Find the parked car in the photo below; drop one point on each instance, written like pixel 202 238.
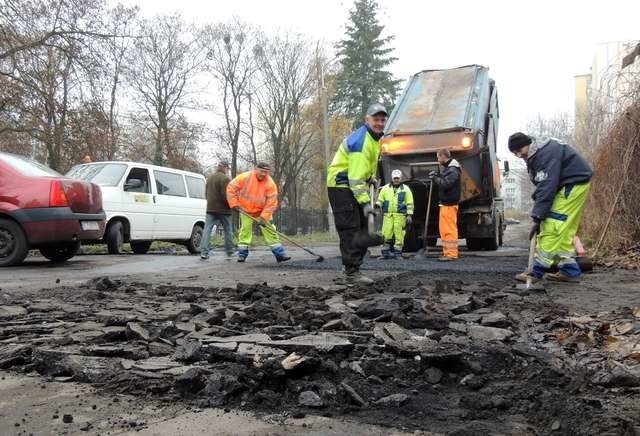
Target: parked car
pixel 146 203
pixel 40 208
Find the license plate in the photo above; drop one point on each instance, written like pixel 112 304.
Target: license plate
pixel 90 225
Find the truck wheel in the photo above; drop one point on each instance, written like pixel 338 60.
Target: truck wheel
pixel 140 247
pixel 193 244
pixel 60 252
pixel 475 244
pixel 115 238
pixel 13 243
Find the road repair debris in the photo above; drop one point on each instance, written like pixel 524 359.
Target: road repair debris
pixel 449 356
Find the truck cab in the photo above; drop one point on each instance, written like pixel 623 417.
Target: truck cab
pixel 455 109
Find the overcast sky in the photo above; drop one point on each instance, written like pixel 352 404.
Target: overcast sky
pixel 533 48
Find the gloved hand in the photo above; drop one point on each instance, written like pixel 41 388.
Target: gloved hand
pixel 535 229
pixel 432 175
pixel 368 210
pixel 409 220
pixel 262 221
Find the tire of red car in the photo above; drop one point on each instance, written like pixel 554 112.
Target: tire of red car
pixel 13 243
pixel 60 252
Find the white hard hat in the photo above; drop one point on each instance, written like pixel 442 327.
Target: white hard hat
pixel 396 174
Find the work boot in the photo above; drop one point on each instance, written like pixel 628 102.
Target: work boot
pixel 522 277
pixel 397 252
pixel 446 259
pixel 280 254
pixel 559 277
pixel 228 255
pixel 355 277
pixel 386 253
pixel 204 257
pixel 242 254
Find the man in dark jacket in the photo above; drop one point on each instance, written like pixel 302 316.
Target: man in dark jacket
pixel 448 182
pixel 217 210
pixel 561 177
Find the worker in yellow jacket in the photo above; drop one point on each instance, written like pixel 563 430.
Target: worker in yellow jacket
pixel 396 201
pixel 353 167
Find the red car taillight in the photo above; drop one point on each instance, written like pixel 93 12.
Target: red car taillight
pixel 57 197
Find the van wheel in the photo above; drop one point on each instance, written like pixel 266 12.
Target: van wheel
pixel 193 244
pixel 13 243
pixel 60 252
pixel 140 247
pixel 115 238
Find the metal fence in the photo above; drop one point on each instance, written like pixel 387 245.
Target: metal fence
pixel 292 221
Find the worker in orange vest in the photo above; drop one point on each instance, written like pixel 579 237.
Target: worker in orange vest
pixel 255 194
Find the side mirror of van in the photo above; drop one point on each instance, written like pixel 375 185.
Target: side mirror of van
pixel 132 184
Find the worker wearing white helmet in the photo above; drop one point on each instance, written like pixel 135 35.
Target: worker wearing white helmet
pixel 396 201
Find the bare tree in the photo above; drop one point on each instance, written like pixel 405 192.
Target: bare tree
pixel 288 77
pixel 232 61
pixel 559 126
pixel 50 63
pixel 31 24
pixel 164 59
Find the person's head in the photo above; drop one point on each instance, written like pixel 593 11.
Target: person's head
pixel 396 177
pixel 86 159
pixel 519 144
pixel 262 170
pixel 376 118
pixel 224 166
pixel 443 155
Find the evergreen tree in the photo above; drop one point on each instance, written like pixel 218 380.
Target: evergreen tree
pixel 363 78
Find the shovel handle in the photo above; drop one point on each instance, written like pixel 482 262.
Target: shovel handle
pixel 371 225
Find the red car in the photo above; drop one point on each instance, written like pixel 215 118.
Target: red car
pixel 42 209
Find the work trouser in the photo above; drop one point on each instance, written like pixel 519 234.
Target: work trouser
pixel 555 240
pixel 349 221
pixel 245 235
pixel 393 227
pixel 448 225
pixel 225 222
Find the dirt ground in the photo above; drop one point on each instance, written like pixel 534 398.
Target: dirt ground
pixel 166 344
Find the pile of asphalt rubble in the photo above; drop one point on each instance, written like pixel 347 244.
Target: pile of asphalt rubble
pixel 450 357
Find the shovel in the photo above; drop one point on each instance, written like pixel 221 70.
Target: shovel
pixel 370 238
pixel 424 251
pixel 319 258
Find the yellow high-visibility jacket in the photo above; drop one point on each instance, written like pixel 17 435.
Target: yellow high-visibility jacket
pixel 399 200
pixel 355 162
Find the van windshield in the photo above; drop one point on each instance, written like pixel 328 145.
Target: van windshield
pixel 103 174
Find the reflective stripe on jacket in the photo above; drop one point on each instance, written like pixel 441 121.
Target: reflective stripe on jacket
pixel 355 162
pixel 398 200
pixel 257 198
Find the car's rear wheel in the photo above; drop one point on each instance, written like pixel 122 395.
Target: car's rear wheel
pixel 60 252
pixel 13 243
pixel 193 244
pixel 115 238
pixel 140 247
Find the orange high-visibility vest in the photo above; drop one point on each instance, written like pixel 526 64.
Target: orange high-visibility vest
pixel 257 198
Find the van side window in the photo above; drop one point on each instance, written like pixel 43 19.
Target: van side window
pixel 195 186
pixel 170 184
pixel 141 174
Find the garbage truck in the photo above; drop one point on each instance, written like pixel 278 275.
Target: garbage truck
pixel 455 109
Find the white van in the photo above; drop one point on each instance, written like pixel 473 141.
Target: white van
pixel 146 203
